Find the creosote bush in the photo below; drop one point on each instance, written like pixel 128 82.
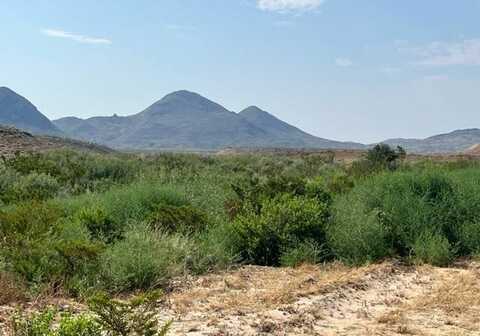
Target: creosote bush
pixel 144 259
pixel 185 219
pixel 283 223
pixel 386 214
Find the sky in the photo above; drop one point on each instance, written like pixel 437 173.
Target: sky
pixel 357 70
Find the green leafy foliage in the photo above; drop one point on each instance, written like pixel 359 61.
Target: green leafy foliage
pixel 99 224
pixel 433 249
pixel 137 316
pixel 38 324
pixel 185 219
pixel 307 252
pixel 283 222
pixel 380 157
pixel 385 215
pixel 143 259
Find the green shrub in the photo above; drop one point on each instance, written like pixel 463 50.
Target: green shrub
pixel 137 316
pixel 99 224
pixel 35 186
pixel 143 259
pixel 76 171
pixel 81 325
pixel 111 211
pixel 27 221
pixel 27 231
pixel 46 323
pixel 212 250
pixel 384 215
pixel 383 156
pixel 136 202
pixel 380 157
pixel 339 183
pixel 253 192
pixel 308 252
pixel 185 219
pixel 37 324
pixel 356 235
pixel 284 222
pixel 42 247
pixel 470 238
pixel 8 177
pixel 432 249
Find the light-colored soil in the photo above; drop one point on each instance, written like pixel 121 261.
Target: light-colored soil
pixel 381 299
pixel 385 299
pixel 474 150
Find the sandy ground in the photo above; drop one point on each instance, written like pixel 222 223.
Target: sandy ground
pixel 382 299
pixel 385 299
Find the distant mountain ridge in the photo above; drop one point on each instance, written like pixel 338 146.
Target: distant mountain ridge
pixel 17 111
pixel 454 142
pixel 186 120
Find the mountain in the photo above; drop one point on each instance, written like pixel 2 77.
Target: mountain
pixel 187 121
pixel 453 142
pixel 17 111
pixel 282 134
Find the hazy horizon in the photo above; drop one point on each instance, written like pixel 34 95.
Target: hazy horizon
pixel 333 68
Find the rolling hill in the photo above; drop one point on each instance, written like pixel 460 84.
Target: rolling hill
pixel 454 142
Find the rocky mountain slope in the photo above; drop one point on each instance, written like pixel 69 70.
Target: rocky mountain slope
pixel 13 141
pixel 18 112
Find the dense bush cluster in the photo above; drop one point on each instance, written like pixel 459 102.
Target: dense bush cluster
pixel 78 223
pixel 273 216
pixel 430 215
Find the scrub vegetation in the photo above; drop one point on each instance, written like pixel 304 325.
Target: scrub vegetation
pixel 79 224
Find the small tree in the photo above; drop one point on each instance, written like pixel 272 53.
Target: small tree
pixel 384 156
pixel 137 316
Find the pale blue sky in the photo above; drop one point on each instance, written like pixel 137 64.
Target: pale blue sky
pixel 341 69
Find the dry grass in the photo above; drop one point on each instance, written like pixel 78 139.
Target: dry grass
pixel 253 288
pixel 449 307
pixel 457 294
pixel 11 289
pixel 383 299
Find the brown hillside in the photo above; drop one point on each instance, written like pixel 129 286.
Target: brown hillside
pixel 13 140
pixel 474 150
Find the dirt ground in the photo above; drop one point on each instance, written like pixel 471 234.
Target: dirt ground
pixel 384 299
